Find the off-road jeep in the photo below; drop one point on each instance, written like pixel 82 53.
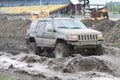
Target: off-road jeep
pixel 64 36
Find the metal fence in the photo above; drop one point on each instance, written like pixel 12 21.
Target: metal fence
pixel 29 2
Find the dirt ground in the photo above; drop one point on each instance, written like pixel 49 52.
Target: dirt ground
pixel 110 29
pixel 25 66
pixel 12 35
pixel 19 65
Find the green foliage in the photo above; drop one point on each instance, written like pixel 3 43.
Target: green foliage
pixel 117 25
pixel 64 14
pixel 114 6
pixel 4 78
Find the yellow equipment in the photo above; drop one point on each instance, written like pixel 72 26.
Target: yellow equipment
pixel 104 12
pixel 98 14
pixel 41 14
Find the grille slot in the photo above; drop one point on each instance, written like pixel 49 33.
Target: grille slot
pixel 87 37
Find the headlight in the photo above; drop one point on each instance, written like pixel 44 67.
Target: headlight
pixel 73 37
pixel 99 36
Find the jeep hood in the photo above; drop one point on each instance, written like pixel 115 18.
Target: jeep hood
pixel 78 31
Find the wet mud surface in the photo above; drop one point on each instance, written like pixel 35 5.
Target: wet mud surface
pixel 16 62
pixel 34 67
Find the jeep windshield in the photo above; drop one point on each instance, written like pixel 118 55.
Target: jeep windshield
pixel 69 24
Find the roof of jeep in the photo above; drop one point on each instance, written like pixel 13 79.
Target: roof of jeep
pixel 41 19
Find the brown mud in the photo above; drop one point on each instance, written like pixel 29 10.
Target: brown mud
pixel 24 66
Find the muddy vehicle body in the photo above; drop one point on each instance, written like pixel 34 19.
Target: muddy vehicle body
pixel 63 37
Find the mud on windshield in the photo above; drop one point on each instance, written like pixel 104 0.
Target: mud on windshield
pixel 69 24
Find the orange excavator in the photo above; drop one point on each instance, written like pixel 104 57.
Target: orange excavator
pixel 98 12
pixel 104 12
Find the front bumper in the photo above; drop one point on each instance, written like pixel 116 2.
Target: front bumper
pixel 89 43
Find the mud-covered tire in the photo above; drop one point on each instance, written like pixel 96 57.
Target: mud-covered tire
pixel 34 49
pixel 99 50
pixel 62 50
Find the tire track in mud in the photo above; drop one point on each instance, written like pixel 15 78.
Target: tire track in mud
pixel 75 68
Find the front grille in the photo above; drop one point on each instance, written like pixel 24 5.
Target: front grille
pixel 87 37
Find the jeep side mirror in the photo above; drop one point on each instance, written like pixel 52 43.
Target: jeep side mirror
pixel 54 30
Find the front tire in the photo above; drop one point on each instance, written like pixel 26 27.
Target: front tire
pixel 62 50
pixel 99 50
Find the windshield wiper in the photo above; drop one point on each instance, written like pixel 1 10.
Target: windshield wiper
pixel 63 27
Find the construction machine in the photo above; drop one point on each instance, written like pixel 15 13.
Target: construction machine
pixel 95 11
pixel 104 12
pixel 39 14
pixel 98 14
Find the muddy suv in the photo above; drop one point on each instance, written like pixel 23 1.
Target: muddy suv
pixel 63 37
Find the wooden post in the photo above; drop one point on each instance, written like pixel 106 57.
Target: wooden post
pixel 84 8
pixel 76 9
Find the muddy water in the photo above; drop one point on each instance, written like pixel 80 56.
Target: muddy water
pixel 104 67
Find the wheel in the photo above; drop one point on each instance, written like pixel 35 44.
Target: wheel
pixel 87 51
pixel 84 52
pixel 34 49
pixel 50 53
pixel 47 52
pixel 99 50
pixel 62 50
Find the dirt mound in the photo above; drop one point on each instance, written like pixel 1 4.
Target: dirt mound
pixel 101 25
pixel 110 29
pixel 78 64
pixel 112 51
pixel 12 35
pixel 29 58
pixel 86 64
pixel 64 68
pixel 65 65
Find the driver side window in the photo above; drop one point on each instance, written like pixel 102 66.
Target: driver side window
pixel 48 27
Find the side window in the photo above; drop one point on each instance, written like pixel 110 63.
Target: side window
pixel 41 25
pixel 49 27
pixel 33 25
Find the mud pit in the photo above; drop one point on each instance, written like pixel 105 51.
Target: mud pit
pixel 24 66
pixel 33 67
